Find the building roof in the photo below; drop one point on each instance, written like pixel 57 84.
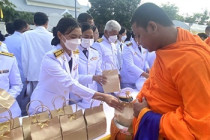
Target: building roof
pixel 57 2
pixel 48 6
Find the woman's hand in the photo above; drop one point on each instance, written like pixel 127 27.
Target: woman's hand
pixel 109 99
pixel 99 79
pixel 113 102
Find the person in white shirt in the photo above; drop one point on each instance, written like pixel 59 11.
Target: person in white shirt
pixel 59 69
pixel 35 44
pixel 85 18
pixel 106 46
pixel 135 66
pixel 10 80
pixel 95 33
pixel 13 43
pixel 89 63
pixel 120 44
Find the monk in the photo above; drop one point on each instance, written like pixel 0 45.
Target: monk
pixel 174 102
pixel 207 31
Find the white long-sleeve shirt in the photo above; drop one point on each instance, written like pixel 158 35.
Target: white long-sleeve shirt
pixel 35 44
pixel 10 81
pixel 13 43
pixel 108 54
pixel 56 79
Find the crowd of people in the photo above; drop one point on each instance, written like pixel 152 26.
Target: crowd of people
pixel 169 66
pixel 30 48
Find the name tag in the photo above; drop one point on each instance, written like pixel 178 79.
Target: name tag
pixel 4 71
pixel 93 58
pixel 75 67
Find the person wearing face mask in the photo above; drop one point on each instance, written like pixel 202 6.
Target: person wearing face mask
pixel 95 33
pixel 89 63
pixel 106 46
pixel 120 44
pixel 59 70
pixel 135 66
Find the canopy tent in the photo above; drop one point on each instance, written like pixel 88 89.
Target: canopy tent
pixel 181 24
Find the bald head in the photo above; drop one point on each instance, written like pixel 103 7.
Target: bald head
pixel 152 27
pixel 150 12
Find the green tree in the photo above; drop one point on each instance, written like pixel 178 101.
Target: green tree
pixel 200 18
pixel 10 14
pixel 204 17
pixel 119 10
pixel 172 11
pixel 67 15
pixel 27 16
pixel 8 10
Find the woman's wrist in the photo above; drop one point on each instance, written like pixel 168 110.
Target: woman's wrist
pixel 99 96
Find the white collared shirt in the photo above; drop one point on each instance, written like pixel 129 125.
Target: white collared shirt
pixel 88 67
pixel 10 81
pixel 134 63
pixel 108 54
pixel 13 43
pixel 35 44
pixel 57 80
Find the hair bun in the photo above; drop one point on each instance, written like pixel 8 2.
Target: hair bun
pixel 54 30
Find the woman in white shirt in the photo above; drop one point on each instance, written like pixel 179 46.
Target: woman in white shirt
pixel 59 69
pixel 90 72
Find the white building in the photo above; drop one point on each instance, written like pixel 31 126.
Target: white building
pixel 55 9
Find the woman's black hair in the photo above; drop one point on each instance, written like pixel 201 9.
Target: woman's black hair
pixel 129 34
pixel 2 38
pixel 65 25
pixel 86 26
pixel 122 30
pixel 94 28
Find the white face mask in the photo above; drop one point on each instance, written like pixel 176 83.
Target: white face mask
pixel 72 44
pixel 112 39
pixel 86 43
pixel 123 38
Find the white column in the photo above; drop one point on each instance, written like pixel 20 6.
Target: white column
pixel 3 28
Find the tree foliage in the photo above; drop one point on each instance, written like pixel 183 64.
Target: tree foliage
pixel 119 10
pixel 173 12
pixel 10 14
pixel 67 15
pixel 200 18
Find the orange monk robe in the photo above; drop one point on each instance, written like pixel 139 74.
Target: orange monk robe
pixel 207 40
pixel 179 88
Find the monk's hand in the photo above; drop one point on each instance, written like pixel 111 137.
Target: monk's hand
pixel 148 70
pixel 137 106
pixel 144 74
pixel 113 102
pixel 100 79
